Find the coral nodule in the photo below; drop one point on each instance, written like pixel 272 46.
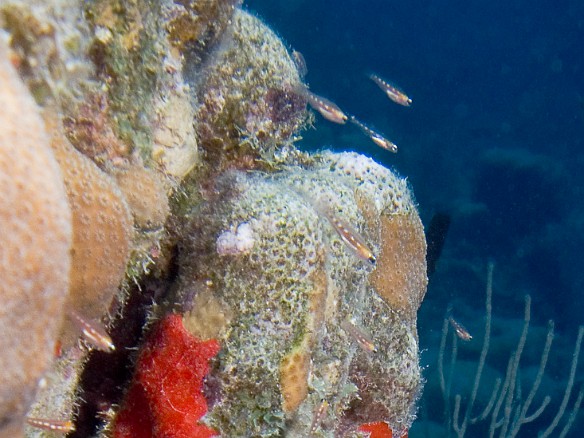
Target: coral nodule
pixel 291 285
pixel 166 397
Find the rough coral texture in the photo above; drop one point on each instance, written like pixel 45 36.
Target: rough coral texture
pixel 56 398
pixel 102 232
pixel 35 242
pixel 166 398
pixel 401 263
pixel 145 193
pixel 249 91
pixel 48 42
pixel 134 89
pixel 195 26
pixel 290 293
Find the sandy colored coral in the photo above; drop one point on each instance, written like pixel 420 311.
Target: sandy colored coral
pixel 102 233
pixel 35 242
pixel 175 142
pixel 145 194
pixel 400 277
pixel 294 378
pixel 209 317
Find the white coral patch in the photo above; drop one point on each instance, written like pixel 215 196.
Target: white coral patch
pixel 236 242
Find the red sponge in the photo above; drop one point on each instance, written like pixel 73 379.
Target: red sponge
pixel 378 430
pixel 166 399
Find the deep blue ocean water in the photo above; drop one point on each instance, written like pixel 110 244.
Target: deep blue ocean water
pixel 494 138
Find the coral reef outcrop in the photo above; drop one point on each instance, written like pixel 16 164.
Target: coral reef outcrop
pixel 175 214
pixel 290 290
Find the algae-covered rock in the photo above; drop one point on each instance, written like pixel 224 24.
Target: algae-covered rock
pixel 249 91
pixel 290 285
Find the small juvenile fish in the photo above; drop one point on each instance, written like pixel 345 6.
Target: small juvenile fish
pixel 351 238
pixel 377 138
pixel 459 329
pixel 300 63
pixel 93 332
pixel 325 107
pixel 53 425
pixel 393 92
pixel 319 416
pixel 363 339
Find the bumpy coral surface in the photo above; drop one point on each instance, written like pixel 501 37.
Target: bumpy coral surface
pixel 35 240
pixel 101 233
pixel 249 91
pixel 166 398
pixel 288 294
pixel 158 112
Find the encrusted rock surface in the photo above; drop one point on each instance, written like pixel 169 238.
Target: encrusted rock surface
pixel 289 292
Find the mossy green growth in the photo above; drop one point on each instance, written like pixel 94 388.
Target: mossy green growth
pixel 127 49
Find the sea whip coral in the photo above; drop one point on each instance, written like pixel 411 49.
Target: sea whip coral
pixel 166 398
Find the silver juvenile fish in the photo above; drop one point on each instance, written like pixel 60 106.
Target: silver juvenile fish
pixel 52 425
pixel 326 108
pixel 318 417
pixel 363 339
pixel 376 137
pixel 460 330
pixel 393 92
pixel 93 332
pixel 351 238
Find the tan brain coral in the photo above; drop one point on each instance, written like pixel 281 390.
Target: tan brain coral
pixel 35 239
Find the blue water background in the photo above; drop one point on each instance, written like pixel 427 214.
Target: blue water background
pixel 494 138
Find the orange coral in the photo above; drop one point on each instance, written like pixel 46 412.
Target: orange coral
pixel 293 378
pixel 400 277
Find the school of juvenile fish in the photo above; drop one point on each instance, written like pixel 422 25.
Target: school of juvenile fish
pixel 330 111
